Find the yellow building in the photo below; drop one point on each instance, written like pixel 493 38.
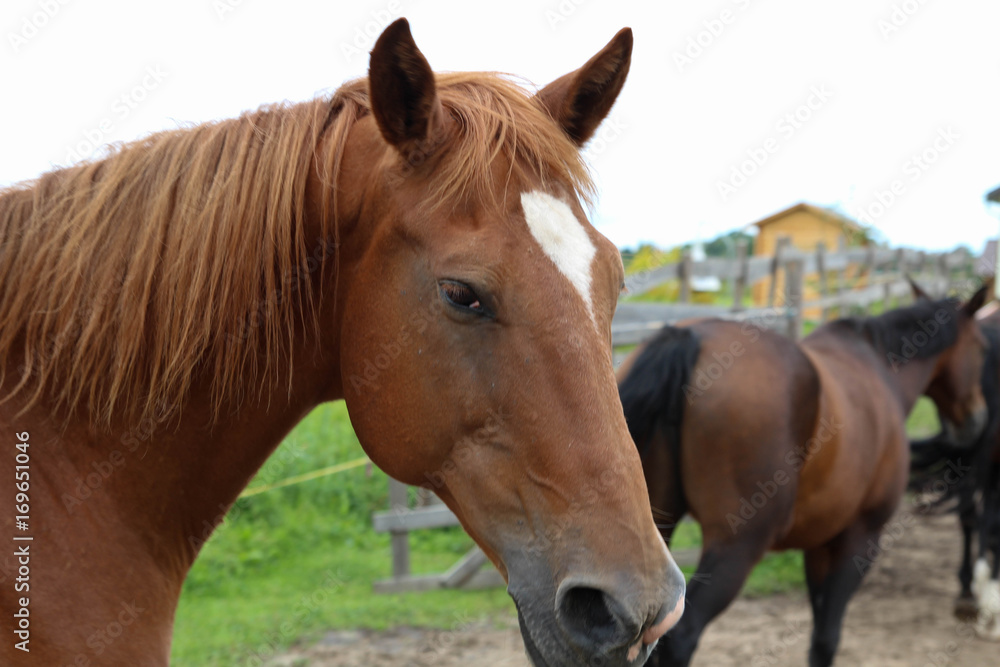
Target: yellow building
pixel 804 225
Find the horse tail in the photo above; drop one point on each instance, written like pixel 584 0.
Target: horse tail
pixel 652 394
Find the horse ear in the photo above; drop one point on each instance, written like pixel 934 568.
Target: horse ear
pixel 918 292
pixel 978 299
pixel 580 100
pixel 403 94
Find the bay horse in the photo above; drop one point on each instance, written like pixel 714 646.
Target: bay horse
pixel 771 444
pixel 970 473
pixel 415 244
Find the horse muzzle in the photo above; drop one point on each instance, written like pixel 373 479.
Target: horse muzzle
pixel 969 431
pixel 592 621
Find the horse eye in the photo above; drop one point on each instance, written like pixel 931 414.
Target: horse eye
pixel 460 295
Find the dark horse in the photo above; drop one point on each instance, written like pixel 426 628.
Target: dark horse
pixel 771 444
pixel 415 244
pixel 970 473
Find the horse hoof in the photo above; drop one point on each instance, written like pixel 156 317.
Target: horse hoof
pixel 988 630
pixel 988 625
pixel 966 609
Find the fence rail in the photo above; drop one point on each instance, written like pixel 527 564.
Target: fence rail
pixel 880 276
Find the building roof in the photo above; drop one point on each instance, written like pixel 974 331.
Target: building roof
pixel 820 213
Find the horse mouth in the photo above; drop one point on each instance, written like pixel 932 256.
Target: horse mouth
pixel 632 656
pixel 968 432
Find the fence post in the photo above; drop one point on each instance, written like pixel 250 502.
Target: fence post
pixel 841 276
pixel 793 287
pixel 902 269
pixel 868 271
pixel 742 273
pixel 684 273
pixel 398 501
pixel 779 247
pixel 942 262
pixel 824 287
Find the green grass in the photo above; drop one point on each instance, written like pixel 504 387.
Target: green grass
pixel 291 563
pixel 923 420
pixel 779 572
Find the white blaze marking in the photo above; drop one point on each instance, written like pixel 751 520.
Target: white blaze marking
pixel 563 239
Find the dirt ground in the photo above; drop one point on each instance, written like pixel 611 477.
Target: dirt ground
pixel 902 616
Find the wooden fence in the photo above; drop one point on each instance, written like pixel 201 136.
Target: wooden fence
pixel 849 281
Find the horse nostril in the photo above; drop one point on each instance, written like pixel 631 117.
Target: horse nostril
pixel 593 620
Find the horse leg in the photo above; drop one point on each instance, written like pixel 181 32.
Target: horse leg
pixel 966 608
pixel 986 582
pixel 833 573
pixel 722 570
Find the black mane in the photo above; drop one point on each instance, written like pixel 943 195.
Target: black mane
pixel 925 329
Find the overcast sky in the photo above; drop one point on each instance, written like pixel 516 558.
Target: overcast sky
pixel 734 109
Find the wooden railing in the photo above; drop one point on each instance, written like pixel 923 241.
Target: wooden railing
pixel 879 275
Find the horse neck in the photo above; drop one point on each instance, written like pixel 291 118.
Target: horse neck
pixel 173 482
pixel 910 378
pixel 907 379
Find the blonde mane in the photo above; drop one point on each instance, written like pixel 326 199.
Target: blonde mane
pixel 182 257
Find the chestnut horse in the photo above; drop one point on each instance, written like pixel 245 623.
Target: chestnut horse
pixel 771 444
pixel 970 472
pixel 414 244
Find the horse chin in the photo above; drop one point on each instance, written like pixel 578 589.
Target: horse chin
pixel 546 648
pixel 969 432
pixel 534 655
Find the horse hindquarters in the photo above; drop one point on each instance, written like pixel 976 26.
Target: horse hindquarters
pixel 738 465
